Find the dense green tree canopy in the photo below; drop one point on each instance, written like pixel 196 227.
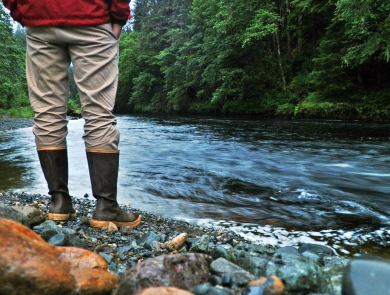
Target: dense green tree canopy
pixel 13 88
pixel 263 57
pixel 302 58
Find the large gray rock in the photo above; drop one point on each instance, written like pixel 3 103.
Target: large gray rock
pixel 316 252
pixel 12 214
pixel 298 273
pixel 253 258
pixel 238 275
pixel 219 251
pixel 202 245
pixel 148 237
pixel 366 275
pixel 34 215
pixel 180 270
pixel 47 229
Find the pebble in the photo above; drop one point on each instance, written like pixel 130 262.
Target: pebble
pixel 237 266
pixel 7 123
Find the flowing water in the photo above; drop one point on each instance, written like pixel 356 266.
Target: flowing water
pixel 276 182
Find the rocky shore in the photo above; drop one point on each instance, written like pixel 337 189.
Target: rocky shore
pixel 163 252
pixel 165 256
pixel 7 123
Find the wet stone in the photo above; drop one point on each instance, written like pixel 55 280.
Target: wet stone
pixel 256 265
pixel 104 248
pixel 316 252
pixel 202 245
pixel 68 231
pixel 85 220
pixel 219 251
pixel 12 214
pixel 366 275
pixel 75 241
pixel 148 238
pixel 34 215
pixel 288 249
pixel 201 289
pixel 126 230
pixel 316 248
pixel 180 270
pixel 59 240
pixel 218 291
pixel 226 280
pixel 238 275
pixel 309 276
pixel 47 229
pixel 215 280
pixel 123 250
pixel 106 256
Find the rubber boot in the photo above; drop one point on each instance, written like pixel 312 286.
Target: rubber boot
pixel 103 170
pixel 54 163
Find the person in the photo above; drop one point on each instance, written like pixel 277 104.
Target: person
pixel 84 33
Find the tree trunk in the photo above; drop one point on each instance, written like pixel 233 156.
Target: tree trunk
pixel 288 28
pixel 280 60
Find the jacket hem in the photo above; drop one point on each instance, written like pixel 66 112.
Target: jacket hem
pixel 66 22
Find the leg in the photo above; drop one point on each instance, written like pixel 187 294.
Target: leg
pixel 95 63
pixel 54 163
pixel 47 64
pixel 103 169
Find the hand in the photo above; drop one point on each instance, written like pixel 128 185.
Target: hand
pixel 117 29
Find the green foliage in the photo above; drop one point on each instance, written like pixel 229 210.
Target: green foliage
pixel 304 58
pixel 311 108
pixel 153 18
pixel 367 29
pixel 20 34
pixel 375 105
pixel 13 86
pixel 20 112
pixel 286 110
pixel 264 23
pixel 128 70
pixel 74 107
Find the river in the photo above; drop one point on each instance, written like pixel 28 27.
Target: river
pixel 275 182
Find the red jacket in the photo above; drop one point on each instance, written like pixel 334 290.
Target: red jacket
pixel 36 13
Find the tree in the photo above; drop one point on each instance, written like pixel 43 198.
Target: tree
pixel 20 34
pixel 13 86
pixel 128 70
pixel 367 28
pixel 255 57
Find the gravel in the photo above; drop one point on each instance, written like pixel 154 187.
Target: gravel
pixel 138 244
pixel 7 123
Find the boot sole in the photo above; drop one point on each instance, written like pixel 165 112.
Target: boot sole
pixel 104 224
pixel 60 217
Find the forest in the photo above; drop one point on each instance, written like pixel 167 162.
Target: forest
pixel 248 58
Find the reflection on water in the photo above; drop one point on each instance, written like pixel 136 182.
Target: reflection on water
pixel 16 148
pixel 10 173
pixel 294 176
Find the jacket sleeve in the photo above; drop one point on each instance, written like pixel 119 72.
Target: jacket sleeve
pixel 120 11
pixel 12 6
